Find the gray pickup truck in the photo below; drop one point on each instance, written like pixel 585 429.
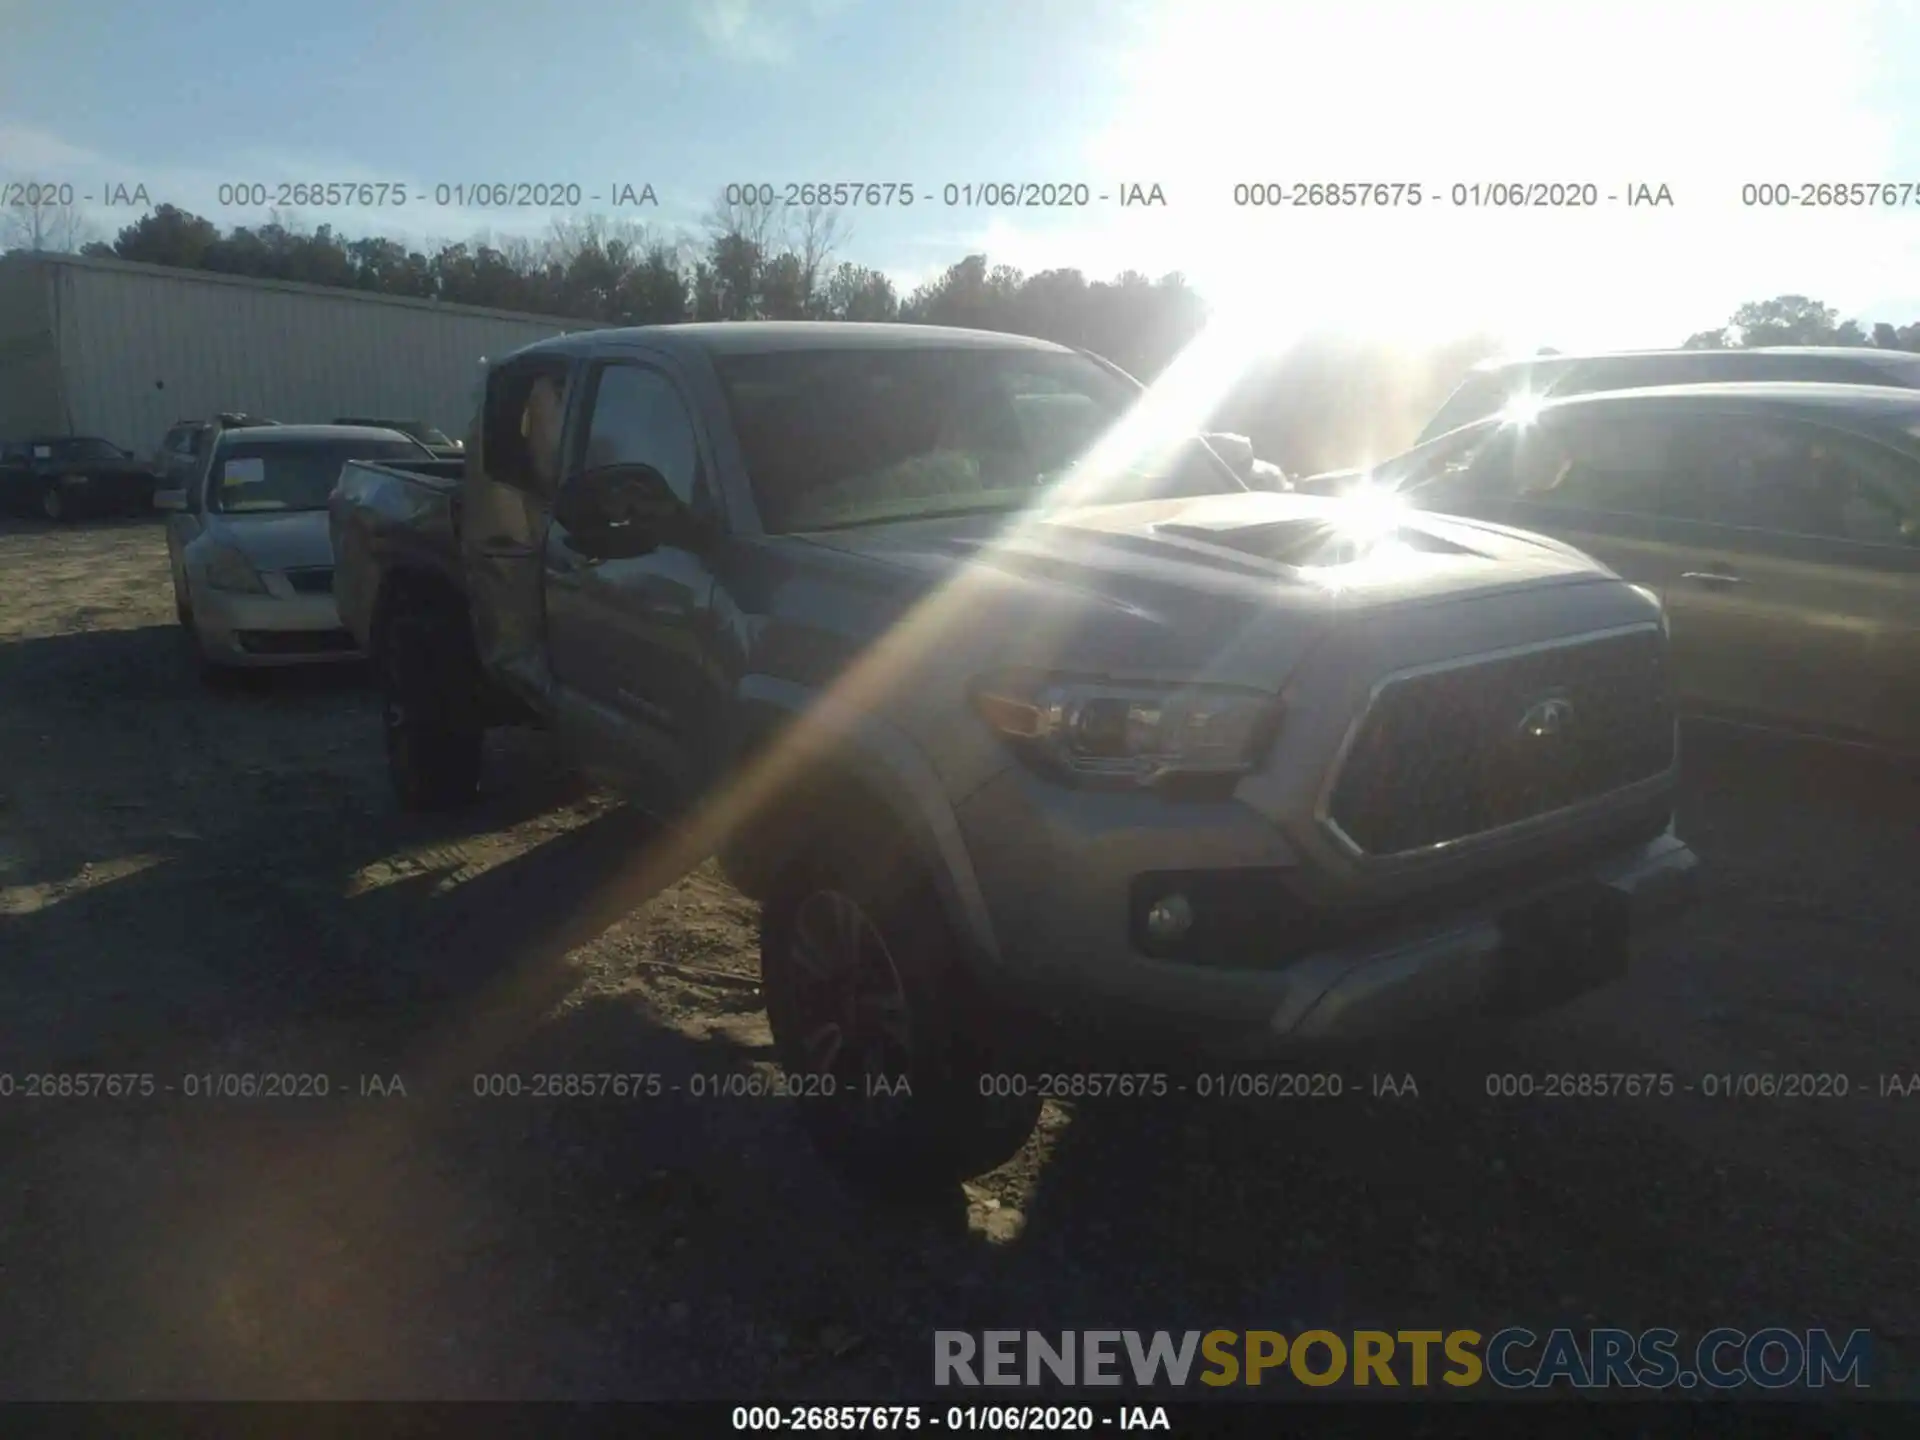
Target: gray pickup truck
pixel 1026 722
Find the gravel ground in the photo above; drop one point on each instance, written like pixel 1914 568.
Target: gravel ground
pixel 198 882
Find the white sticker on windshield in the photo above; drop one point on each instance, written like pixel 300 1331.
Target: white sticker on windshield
pixel 250 470
pixel 43 452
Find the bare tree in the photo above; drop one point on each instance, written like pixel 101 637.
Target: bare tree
pixel 62 229
pixel 522 254
pixel 757 225
pixel 816 235
pixel 761 223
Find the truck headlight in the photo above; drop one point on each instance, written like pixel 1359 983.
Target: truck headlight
pixel 228 569
pixel 1128 731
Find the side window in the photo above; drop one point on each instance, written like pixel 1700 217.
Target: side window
pixel 636 417
pixel 1796 479
pixel 1879 492
pixel 526 408
pixel 1619 464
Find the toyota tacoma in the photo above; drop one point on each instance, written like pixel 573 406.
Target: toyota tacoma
pixel 1023 719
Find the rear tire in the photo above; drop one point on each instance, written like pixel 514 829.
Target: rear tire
pixel 863 983
pixel 430 712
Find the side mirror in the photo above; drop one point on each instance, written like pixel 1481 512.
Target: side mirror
pixel 618 511
pixel 169 499
pixel 1236 450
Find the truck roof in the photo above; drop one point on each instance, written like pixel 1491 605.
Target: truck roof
pixel 759 337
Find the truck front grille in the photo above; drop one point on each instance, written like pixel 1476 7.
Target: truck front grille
pixel 1450 752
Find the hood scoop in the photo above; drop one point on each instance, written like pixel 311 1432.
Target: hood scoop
pixel 1306 541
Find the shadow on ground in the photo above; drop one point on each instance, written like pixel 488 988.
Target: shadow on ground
pixel 458 1244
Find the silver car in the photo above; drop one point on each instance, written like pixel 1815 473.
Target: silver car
pixel 248 547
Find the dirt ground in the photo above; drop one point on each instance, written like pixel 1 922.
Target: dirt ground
pixel 198 883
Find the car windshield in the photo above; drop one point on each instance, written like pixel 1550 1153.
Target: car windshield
pixel 290 476
pixel 82 447
pixel 1477 397
pixel 836 438
pixel 1424 465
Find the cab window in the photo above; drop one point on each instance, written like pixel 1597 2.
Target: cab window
pixel 1791 478
pixel 636 417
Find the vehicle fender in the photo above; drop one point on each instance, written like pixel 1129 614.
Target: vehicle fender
pixel 885 764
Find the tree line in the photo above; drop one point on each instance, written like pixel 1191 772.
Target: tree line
pixel 1796 320
pixel 1323 402
pixel 753 263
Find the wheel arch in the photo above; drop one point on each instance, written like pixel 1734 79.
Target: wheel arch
pixel 411 591
pixel 869 769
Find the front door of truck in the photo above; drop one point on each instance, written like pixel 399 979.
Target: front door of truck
pixel 506 503
pixel 629 634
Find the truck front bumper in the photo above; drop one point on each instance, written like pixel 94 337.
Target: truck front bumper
pixel 1532 936
pixel 1519 955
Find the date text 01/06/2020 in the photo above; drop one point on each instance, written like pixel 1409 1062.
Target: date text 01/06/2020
pixel 993 1418
pixel 198 1085
pixel 971 194
pixel 1724 1085
pixel 1464 195
pixel 466 195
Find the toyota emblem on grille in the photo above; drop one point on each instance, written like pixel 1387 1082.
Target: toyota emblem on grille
pixel 1546 718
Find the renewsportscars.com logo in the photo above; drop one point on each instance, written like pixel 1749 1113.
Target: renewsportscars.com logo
pixel 1513 1358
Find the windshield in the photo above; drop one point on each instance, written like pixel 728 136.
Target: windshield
pixel 853 437
pixel 1477 397
pixel 83 447
pixel 261 477
pixel 1424 465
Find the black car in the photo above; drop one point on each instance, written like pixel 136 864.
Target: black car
pixel 1778 524
pixel 64 477
pixel 443 445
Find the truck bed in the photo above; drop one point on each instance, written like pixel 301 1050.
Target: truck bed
pixel 390 516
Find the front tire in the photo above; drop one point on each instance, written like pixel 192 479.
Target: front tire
pixel 863 985
pixel 429 710
pixel 214 677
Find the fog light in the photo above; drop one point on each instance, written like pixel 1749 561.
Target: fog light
pixel 1170 919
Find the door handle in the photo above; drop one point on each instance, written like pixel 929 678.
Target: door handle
pixel 498 547
pixel 1711 579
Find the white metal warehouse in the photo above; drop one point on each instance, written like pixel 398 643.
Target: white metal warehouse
pixel 123 351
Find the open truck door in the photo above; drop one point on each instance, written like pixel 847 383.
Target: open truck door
pixel 506 506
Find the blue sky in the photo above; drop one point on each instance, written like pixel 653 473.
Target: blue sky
pixel 1194 95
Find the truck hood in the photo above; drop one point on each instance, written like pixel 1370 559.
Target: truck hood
pixel 1234 588
pixel 290 540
